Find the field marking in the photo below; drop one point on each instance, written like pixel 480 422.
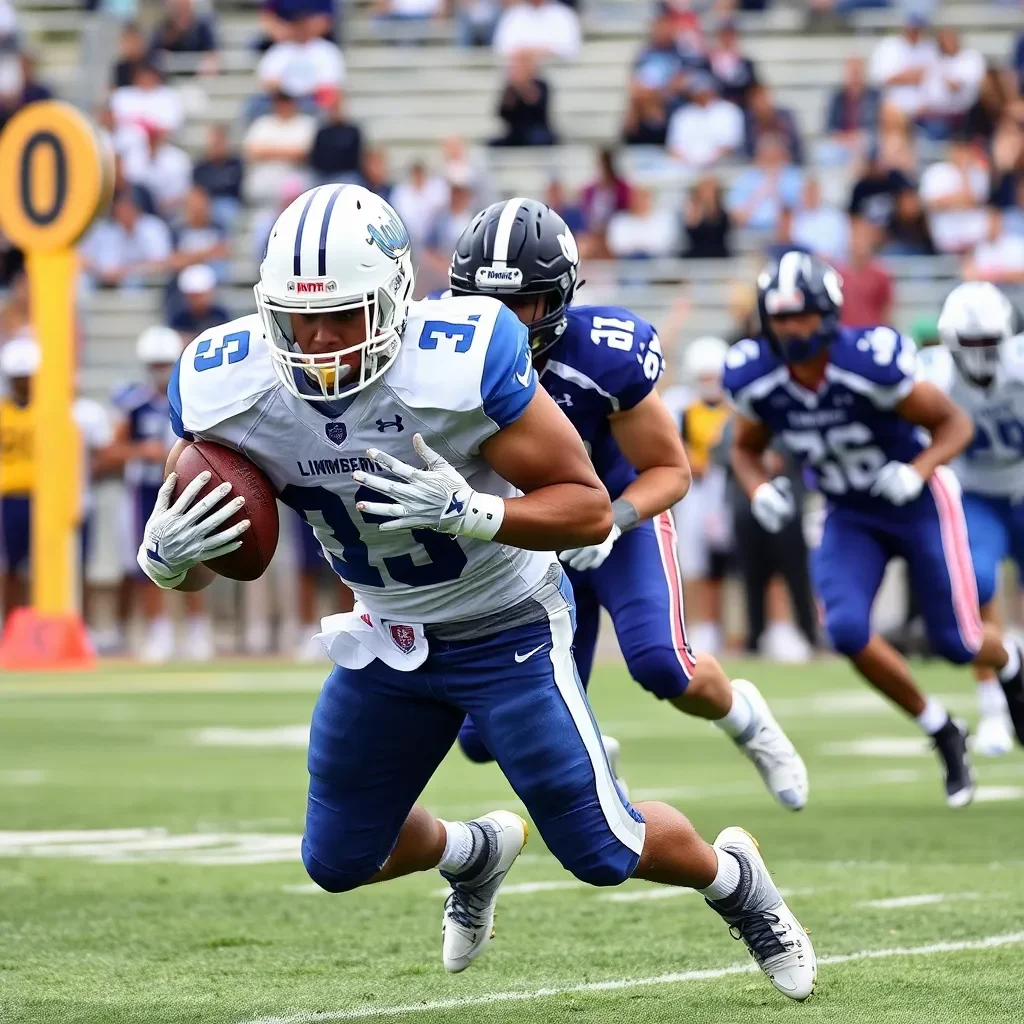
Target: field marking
pixel 275 736
pixel 924 899
pixel 619 984
pixel 22 777
pixel 987 794
pixel 879 746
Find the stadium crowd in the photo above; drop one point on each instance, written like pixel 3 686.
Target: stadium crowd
pixel 931 135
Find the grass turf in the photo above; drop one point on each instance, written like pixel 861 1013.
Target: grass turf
pixel 205 915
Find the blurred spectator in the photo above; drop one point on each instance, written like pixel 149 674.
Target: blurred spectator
pixel 129 141
pixel 707 129
pixel 545 27
pixel 951 85
pixel 853 108
pixel 896 144
pixel 418 200
pixel 131 51
pixel 741 305
pixel 199 311
pixel 867 285
pixel 643 230
pixel 1017 62
pixel 764 118
pixel 139 193
pixel 163 169
pixel 184 31
pixel 608 194
pixel 686 28
pixel 900 64
pixel 659 66
pixel 733 69
pixel 263 222
pixel 458 160
pixel 220 174
pixel 999 258
pixel 148 101
pixel 15 320
pixel 994 99
pixel 305 66
pixel 376 176
pixel 278 18
pixel 524 104
pixel 907 232
pixel 760 192
pixel 646 122
pixel 18 85
pixel 445 230
pixel 12 261
pixel 126 247
pixel 954 192
pixel 476 21
pixel 198 238
pixel 819 228
pixel 9 37
pixel 337 152
pixel 275 147
pixel 707 223
pixel 409 12
pixel 555 197
pixel 782 241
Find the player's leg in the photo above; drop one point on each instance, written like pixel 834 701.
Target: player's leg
pixel 694 557
pixel 158 645
pixel 640 585
pixel 1013 689
pixel 536 719
pixel 15 529
pixel 198 641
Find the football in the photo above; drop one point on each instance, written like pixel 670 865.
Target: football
pixel 259 542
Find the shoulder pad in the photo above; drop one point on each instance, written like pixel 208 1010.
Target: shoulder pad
pixel 936 366
pixel 1012 358
pixel 222 373
pixel 129 397
pixel 752 372
pixel 877 362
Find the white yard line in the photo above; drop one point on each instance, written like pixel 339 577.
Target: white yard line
pixel 619 984
pixel 986 794
pixel 923 899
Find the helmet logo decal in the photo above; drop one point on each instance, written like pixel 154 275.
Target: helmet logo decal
pixel 570 250
pixel 499 277
pixel 312 286
pixel 391 236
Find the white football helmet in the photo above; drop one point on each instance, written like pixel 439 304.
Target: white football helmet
pixel 704 364
pixel 158 346
pixel 976 319
pixel 335 248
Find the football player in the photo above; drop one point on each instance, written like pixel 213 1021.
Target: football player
pixel 438 478
pixel 846 403
pixel 600 364
pixel 980 365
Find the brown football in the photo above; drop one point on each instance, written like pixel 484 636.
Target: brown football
pixel 259 542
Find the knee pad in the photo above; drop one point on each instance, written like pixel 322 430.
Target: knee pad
pixel 849 634
pixel 340 878
pixel 659 671
pixel 472 743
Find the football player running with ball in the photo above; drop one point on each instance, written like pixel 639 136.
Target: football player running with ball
pixel 438 478
pixel 601 364
pixel 846 403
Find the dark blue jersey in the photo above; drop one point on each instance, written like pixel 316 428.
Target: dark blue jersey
pixel 147 413
pixel 848 429
pixel 606 361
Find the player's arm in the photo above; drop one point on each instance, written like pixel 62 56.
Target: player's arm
pixel 950 427
pixel 647 436
pixel 771 501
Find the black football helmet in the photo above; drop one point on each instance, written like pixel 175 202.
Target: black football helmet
pixel 517 248
pixel 800 283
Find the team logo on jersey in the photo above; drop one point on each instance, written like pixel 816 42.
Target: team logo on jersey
pixel 312 286
pixel 336 432
pixel 395 424
pixel 499 277
pixel 390 236
pixel 404 638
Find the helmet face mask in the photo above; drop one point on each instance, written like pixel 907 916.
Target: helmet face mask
pixel 799 300
pixel 976 319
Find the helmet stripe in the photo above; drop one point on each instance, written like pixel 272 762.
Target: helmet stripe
pixel 297 267
pixel 503 233
pixel 322 264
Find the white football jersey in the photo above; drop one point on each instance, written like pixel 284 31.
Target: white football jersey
pixel 463 372
pixel 993 464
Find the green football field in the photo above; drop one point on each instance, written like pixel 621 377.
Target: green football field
pixel 149 871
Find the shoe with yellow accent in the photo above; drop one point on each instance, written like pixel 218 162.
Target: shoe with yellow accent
pixel 468 923
pixel 758 915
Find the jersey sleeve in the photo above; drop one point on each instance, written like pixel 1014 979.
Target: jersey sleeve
pixel 509 380
pixel 880 364
pixel 750 376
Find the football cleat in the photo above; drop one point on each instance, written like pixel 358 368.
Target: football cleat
pixel 769 748
pixel 758 915
pixel 613 749
pixel 951 746
pixel 468 922
pixel 993 737
pixel 1014 691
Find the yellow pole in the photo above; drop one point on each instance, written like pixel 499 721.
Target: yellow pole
pixel 58 451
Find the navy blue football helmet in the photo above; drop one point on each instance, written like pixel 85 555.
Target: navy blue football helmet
pixel 799 283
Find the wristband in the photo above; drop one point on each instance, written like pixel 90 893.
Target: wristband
pixel 625 515
pixel 483 516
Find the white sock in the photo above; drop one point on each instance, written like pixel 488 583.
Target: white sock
pixel 728 878
pixel 740 715
pixel 458 849
pixel 933 718
pixel 1012 666
pixel 991 699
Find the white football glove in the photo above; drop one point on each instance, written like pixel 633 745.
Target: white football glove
pixel 772 504
pixel 178 538
pixel 592 555
pixel 437 497
pixel 897 482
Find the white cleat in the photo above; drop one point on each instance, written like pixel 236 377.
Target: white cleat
pixel 758 915
pixel 613 749
pixel 769 748
pixel 158 647
pixel 468 922
pixel 993 737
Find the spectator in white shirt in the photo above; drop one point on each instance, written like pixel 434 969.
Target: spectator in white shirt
pixel 418 200
pixel 546 27
pixel 164 170
pixel 954 193
pixel 707 129
pixel 306 66
pixel 953 83
pixel 901 63
pixel 999 259
pixel 821 229
pixel 275 147
pixel 642 231
pixel 126 247
pixel 148 101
